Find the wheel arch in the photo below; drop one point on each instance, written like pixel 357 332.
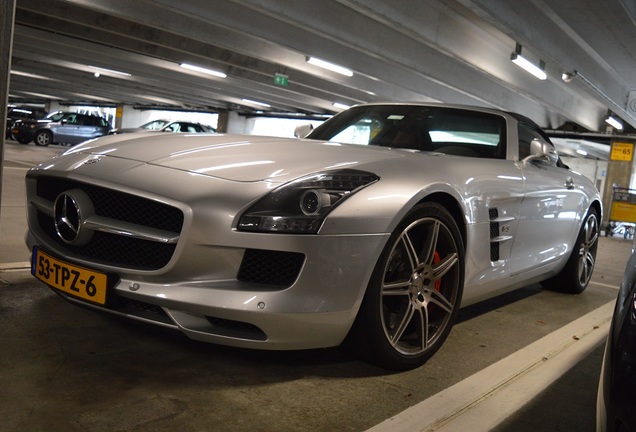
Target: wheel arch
pixel 454 208
pixel 597 206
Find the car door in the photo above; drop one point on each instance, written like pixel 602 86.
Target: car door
pixel 88 127
pixel 64 130
pixel 548 218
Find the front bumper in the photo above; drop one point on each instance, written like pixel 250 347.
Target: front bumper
pixel 316 311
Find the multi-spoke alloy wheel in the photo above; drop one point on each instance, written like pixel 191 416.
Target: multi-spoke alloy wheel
pixel 43 138
pixel 577 272
pixel 587 249
pixel 413 297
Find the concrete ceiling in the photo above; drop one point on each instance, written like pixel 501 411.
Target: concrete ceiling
pixel 455 51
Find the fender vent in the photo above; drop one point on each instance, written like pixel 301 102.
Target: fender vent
pixel 493 214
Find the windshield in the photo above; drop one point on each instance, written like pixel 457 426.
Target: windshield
pixel 154 125
pixel 56 116
pixel 425 128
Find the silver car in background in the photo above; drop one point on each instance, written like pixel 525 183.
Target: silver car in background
pixel 373 231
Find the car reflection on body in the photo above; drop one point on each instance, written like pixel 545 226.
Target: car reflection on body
pixel 616 396
pixel 372 232
pixel 168 126
pixel 60 127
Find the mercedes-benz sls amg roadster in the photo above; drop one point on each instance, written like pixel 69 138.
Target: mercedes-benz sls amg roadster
pixel 371 231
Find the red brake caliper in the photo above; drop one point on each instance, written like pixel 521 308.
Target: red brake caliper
pixel 438 283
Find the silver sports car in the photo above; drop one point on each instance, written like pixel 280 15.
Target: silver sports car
pixel 373 230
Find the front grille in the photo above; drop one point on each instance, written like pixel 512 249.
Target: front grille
pixel 113 249
pixel 270 267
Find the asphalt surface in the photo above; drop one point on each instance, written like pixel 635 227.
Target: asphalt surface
pixel 68 368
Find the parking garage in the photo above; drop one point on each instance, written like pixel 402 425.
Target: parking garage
pixel 526 359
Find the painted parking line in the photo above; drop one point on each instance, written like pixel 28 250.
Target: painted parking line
pixel 485 399
pixel 19 266
pixel 616 287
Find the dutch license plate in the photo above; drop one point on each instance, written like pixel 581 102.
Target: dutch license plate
pixel 74 280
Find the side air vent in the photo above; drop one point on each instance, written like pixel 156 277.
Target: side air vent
pixel 496 237
pixel 493 214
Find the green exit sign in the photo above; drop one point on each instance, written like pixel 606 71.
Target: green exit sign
pixel 281 80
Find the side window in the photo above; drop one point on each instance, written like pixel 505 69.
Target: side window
pixel 71 119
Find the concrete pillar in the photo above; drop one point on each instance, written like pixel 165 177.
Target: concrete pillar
pixel 222 123
pixel 7 18
pixel 119 115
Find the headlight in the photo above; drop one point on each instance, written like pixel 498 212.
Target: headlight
pixel 301 206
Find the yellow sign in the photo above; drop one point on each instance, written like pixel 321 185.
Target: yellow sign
pixel 622 152
pixel 624 212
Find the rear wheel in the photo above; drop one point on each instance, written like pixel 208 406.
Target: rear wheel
pixel 43 138
pixel 413 296
pixel 577 273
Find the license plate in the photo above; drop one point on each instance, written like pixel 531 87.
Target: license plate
pixel 73 280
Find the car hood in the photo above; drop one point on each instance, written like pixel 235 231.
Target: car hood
pixel 236 157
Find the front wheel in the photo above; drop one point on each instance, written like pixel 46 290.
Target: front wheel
pixel 43 138
pixel 577 273
pixel 414 294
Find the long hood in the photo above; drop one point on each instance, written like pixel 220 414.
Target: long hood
pixel 235 157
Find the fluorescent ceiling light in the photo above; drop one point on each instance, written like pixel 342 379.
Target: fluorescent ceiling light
pixel 29 75
pixel 341 106
pixel 329 66
pixel 528 66
pixel 612 121
pixel 203 70
pixel 107 71
pixel 581 152
pixel 256 102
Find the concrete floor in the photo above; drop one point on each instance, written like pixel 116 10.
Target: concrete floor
pixel 71 369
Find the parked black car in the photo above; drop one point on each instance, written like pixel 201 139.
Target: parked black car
pixel 616 402
pixel 16 113
pixel 60 127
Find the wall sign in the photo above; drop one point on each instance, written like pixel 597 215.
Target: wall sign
pixel 622 151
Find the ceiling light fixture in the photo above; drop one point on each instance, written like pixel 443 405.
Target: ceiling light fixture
pixel 527 65
pixel 612 121
pixel 341 106
pixel 329 66
pixel 100 70
pixel 568 76
pixel 263 104
pixel 203 70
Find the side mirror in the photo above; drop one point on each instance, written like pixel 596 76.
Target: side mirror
pixel 543 152
pixel 303 130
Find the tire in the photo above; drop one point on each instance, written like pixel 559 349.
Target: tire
pixel 43 138
pixel 414 293
pixel 576 274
